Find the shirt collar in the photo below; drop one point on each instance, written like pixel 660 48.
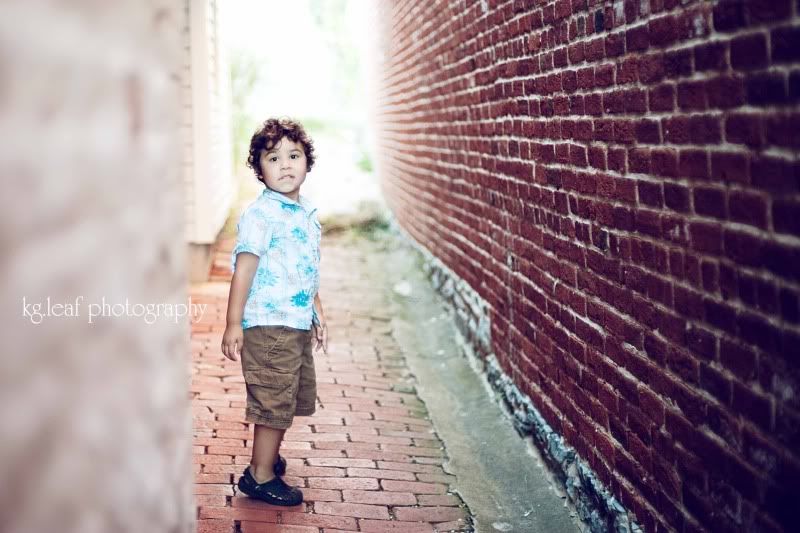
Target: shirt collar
pixel 304 202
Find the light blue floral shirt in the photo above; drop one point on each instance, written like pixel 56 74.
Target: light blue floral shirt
pixel 285 235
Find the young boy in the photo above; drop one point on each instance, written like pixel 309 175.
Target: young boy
pixel 274 309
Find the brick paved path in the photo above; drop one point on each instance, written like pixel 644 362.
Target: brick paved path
pixel 367 460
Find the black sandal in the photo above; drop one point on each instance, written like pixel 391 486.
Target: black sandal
pixel 274 491
pixel 280 466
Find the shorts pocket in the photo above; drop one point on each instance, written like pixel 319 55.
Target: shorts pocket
pixel 271 392
pixel 273 338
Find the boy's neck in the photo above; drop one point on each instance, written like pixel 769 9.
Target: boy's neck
pixel 296 196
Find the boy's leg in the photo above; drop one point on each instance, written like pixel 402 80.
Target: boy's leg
pixel 266 442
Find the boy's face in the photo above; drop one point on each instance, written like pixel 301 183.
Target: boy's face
pixel 284 167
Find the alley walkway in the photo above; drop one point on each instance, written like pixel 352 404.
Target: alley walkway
pixel 367 460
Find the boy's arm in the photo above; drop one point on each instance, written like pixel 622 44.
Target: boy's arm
pixel 319 315
pixel 320 325
pixel 232 339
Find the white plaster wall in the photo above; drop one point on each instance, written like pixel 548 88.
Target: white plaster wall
pixel 205 81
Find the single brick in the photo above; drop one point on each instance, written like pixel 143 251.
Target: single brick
pixel 729 15
pixel 626 71
pixel 662 98
pixel 650 193
pixel 575 53
pixel 676 197
pixel 785 217
pixel 394 526
pixel 378 497
pixel 732 167
pixel 693 163
pixel 744 128
pixel 356 510
pixel 594 49
pixel 663 31
pixel 635 101
pixel 604 75
pixel 769 10
pixel 749 52
pixel 429 514
pixel 794 86
pixel 617 160
pixel 775 174
pixel 677 64
pixel 709 201
pixel 603 130
pixel 748 208
pixel 725 92
pixel 593 104
pixel 648 132
pixel 585 78
pixel 710 56
pixel 613 102
pixel 651 68
pixel 743 247
pixel 766 88
pixel 676 129
pixel 625 131
pixel 782 130
pixel 637 39
pixel 692 95
pixel 785 44
pixel 705 129
pixel 639 160
pixel 415 487
pixel 615 44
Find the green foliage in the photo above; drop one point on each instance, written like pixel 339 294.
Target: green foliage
pixel 330 18
pixel 246 74
pixel 365 162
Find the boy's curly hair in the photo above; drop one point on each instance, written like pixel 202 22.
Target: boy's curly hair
pixel 270 133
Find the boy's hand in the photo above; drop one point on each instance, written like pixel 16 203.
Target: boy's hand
pixel 232 342
pixel 321 336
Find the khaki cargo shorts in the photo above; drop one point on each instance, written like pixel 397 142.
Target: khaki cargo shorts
pixel 278 369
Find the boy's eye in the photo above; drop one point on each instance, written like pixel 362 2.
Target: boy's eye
pixel 275 158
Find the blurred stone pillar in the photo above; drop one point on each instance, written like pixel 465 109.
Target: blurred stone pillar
pixel 95 411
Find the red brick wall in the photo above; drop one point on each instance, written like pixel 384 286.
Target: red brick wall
pixel 619 181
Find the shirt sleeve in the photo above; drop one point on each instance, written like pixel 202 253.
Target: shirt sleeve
pixel 319 238
pixel 254 233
